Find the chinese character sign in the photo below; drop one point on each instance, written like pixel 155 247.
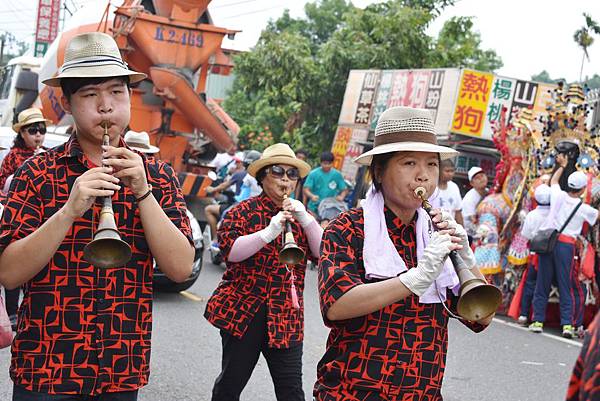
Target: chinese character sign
pixel 501 97
pixel 434 92
pixel 340 145
pixel 366 98
pixel 349 169
pixel 381 100
pixel 471 103
pixel 47 24
pixel 356 79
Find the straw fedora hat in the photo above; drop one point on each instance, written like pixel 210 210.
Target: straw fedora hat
pixel 280 153
pixel 93 55
pixel 29 116
pixel 405 129
pixel 140 141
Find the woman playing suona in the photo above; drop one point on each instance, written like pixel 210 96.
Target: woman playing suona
pixel 384 274
pixel 31 131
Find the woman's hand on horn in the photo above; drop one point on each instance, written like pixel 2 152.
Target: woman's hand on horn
pixel 446 223
pixel 275 227
pixel 299 211
pixel 430 264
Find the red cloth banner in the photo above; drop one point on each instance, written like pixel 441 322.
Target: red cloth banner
pixel 47 20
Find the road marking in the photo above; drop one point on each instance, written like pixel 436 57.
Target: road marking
pixel 552 336
pixel 191 296
pixel 532 363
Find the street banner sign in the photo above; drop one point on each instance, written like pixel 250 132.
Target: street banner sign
pixel 47 25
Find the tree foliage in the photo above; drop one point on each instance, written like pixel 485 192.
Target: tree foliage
pixel 292 83
pixel 584 39
pixel 544 76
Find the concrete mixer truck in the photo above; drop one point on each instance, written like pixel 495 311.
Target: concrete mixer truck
pixel 177 45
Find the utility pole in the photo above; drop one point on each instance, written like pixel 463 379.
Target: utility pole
pixel 2 48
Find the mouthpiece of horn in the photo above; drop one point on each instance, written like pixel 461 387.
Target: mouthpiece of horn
pixel 420 192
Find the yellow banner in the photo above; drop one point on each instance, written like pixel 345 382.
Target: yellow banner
pixel 471 104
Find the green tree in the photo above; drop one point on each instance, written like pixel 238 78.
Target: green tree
pixel 10 47
pixel 293 81
pixel 583 38
pixel 458 45
pixel 593 82
pixel 543 76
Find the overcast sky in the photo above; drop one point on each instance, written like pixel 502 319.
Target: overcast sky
pixel 529 35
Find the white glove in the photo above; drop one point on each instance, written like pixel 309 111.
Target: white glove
pixel 466 253
pixel 430 265
pixel 273 230
pixel 300 213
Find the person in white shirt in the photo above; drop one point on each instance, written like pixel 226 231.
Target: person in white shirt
pixel 533 221
pixel 478 180
pixel 223 161
pixel 448 197
pixel 560 261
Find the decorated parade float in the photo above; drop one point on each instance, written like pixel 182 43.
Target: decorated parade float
pixel 528 159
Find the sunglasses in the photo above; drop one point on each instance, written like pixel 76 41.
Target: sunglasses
pixel 278 172
pixel 35 129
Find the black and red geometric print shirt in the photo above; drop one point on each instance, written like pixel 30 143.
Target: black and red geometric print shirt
pixel 585 380
pixel 12 161
pixel 260 278
pixel 395 353
pixel 82 329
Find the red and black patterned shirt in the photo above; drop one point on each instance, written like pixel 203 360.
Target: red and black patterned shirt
pixel 12 161
pixel 395 353
pixel 585 381
pixel 261 278
pixel 81 329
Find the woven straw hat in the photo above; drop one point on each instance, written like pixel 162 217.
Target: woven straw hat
pixel 29 116
pixel 140 141
pixel 93 55
pixel 405 129
pixel 280 153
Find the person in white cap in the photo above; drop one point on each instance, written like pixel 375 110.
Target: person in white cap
pixel 559 263
pixel 84 332
pixel 533 221
pixel 383 276
pixel 478 180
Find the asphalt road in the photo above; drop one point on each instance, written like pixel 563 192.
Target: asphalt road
pixel 504 363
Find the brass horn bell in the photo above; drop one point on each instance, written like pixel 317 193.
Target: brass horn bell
pixel 290 253
pixel 477 299
pixel 107 249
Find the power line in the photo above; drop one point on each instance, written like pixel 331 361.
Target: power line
pixel 253 12
pixel 16 12
pixel 233 4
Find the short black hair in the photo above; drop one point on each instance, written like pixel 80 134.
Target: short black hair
pixel 261 174
pixel 378 163
pixel 302 151
pixel 71 85
pixel 446 163
pixel 326 157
